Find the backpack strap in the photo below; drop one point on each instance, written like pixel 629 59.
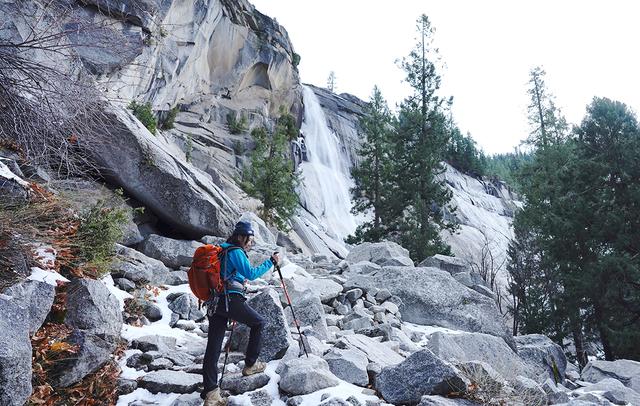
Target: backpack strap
pixel 223 255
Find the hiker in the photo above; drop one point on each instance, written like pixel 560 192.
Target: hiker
pixel 235 269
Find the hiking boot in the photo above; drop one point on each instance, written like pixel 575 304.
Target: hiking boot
pixel 254 369
pixel 214 398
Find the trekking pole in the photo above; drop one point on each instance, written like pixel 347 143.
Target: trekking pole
pixel 226 353
pixel 295 320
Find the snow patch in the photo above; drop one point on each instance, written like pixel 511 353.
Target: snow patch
pixel 49 277
pixel 6 173
pixel 145 397
pixel 121 295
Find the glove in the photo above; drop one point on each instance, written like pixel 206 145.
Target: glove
pixel 275 258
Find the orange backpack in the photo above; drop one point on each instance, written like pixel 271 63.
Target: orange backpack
pixel 204 274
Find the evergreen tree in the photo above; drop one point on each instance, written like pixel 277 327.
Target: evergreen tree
pixel 463 154
pixel 419 198
pixel 371 175
pixel 581 209
pixel 546 121
pixel 608 181
pixel 270 177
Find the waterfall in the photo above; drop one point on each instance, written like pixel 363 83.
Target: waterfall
pixel 326 178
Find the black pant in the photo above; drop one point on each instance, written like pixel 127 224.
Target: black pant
pixel 242 313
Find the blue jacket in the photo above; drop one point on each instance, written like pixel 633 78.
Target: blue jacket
pixel 236 267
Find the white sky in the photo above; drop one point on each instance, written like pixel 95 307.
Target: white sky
pixel 588 48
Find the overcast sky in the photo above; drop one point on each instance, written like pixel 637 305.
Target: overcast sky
pixel 588 48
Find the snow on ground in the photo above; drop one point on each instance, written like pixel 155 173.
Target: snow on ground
pixel 147 398
pixel 121 295
pixel 161 328
pixel 50 277
pixel 45 257
pixel 426 331
pixel 6 173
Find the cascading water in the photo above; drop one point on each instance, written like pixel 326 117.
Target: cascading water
pixel 326 179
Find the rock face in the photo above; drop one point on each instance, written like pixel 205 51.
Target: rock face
pixel 485 212
pixel 175 191
pixel 421 374
pixel 142 13
pixel 625 371
pixel 433 297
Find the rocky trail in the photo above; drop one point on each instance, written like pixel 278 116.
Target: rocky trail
pixel 378 331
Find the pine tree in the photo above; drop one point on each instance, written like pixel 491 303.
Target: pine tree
pixel 371 175
pixel 419 198
pixel 608 181
pixel 271 177
pixel 547 123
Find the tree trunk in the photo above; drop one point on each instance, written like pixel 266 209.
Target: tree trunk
pixel 578 340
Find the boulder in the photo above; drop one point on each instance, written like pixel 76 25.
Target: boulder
pixel 236 383
pixel 144 165
pixel 363 268
pixel 154 343
pixel 34 296
pixel 422 373
pixel 170 382
pixel 382 253
pixel 300 376
pixel 440 401
pixel 542 355
pixel 349 365
pixel 191 399
pixel 375 351
pixel 172 253
pixel 625 371
pixel 482 375
pixel 186 306
pixel 276 337
pixel 309 312
pixel 299 288
pixel 614 391
pixel 126 386
pixel 177 278
pixel 403 339
pixel 463 347
pixel 92 308
pixel 93 352
pixel 529 392
pixel 430 296
pixel 452 265
pixel 313 345
pixel 137 267
pixel 15 353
